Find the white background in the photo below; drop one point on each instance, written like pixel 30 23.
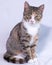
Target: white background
pixel 11 12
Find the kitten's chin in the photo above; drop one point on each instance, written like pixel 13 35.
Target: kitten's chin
pixel 32 23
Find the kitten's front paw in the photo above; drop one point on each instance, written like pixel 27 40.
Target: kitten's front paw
pixel 30 61
pixel 35 60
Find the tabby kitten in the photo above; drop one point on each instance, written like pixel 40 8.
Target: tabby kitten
pixel 21 44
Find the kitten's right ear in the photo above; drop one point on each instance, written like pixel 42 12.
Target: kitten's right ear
pixel 41 8
pixel 26 6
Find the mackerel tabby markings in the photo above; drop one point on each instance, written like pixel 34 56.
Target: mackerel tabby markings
pixel 22 41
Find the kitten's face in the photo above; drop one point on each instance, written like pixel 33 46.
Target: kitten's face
pixel 32 14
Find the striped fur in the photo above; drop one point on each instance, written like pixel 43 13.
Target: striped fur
pixel 22 41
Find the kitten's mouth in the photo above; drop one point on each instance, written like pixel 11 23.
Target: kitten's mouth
pixel 32 22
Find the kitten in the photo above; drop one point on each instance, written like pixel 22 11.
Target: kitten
pixel 21 44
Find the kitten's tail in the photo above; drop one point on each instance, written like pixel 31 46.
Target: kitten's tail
pixel 12 59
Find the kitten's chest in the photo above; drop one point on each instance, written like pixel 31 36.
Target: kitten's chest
pixel 32 29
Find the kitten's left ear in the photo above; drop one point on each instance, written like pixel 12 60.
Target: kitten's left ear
pixel 41 8
pixel 26 6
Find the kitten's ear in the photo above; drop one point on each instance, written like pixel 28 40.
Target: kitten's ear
pixel 41 8
pixel 26 6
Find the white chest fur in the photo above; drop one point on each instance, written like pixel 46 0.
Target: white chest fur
pixel 32 29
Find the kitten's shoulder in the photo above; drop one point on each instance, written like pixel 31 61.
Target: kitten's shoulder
pixel 17 25
pixel 16 28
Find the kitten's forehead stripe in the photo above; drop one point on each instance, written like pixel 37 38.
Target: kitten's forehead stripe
pixel 32 16
pixel 33 8
pixel 34 13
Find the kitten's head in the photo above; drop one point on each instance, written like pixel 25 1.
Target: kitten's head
pixel 32 14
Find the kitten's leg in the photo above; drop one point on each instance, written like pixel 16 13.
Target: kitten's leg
pixel 26 48
pixel 28 54
pixel 33 47
pixel 33 52
pixel 34 56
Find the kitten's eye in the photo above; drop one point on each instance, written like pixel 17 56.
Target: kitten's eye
pixel 28 17
pixel 38 17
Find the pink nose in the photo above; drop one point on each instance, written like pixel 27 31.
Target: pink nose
pixel 32 21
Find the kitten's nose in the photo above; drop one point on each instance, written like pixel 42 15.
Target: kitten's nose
pixel 32 21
